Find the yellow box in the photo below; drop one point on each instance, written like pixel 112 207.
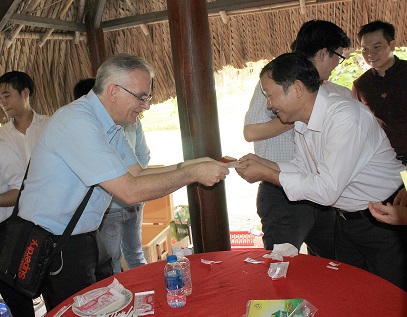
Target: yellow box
pixel 159 210
pixel 156 236
pixel 156 241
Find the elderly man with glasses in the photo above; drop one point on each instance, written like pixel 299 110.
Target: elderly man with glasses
pixel 84 145
pixel 121 228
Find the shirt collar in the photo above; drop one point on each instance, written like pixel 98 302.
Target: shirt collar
pixel 390 70
pixel 102 114
pixel 35 121
pixel 316 119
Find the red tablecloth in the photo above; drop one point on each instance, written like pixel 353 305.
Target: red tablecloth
pixel 224 289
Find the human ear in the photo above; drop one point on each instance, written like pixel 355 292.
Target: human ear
pixel 392 45
pixel 25 93
pixel 321 55
pixel 111 92
pixel 298 87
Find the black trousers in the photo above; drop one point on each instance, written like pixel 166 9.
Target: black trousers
pixel 373 246
pixel 82 262
pixel 285 221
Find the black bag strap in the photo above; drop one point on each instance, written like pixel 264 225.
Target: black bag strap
pixel 72 223
pixel 15 209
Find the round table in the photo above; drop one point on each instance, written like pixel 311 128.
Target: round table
pixel 224 289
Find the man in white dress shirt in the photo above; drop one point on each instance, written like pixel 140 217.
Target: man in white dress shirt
pixel 342 158
pixel 19 135
pixel 285 221
pixel 25 125
pixel 11 176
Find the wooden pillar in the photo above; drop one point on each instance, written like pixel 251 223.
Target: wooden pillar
pixel 96 43
pixel 196 95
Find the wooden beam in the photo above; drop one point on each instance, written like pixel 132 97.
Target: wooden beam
pixel 16 29
pixel 161 16
pixel 224 17
pixel 81 11
pixel 230 7
pixel 136 20
pixel 97 13
pixel 197 109
pixel 7 9
pixel 47 23
pixel 53 36
pixel 61 16
pixel 96 43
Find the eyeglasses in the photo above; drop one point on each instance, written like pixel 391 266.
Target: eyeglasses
pixel 143 98
pixel 341 56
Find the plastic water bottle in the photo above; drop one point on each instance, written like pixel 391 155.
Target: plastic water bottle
pixel 174 282
pixel 186 269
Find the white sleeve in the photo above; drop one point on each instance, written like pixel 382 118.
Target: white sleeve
pixel 258 112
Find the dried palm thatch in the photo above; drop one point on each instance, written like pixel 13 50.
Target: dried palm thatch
pixel 57 59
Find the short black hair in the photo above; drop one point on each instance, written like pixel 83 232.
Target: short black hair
pixel 315 35
pixel 19 81
pixel 289 67
pixel 389 32
pixel 82 87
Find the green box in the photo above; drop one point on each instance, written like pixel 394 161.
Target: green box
pixel 179 231
pixel 273 307
pixel 181 215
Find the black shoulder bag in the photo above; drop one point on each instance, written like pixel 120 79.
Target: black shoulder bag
pixel 28 250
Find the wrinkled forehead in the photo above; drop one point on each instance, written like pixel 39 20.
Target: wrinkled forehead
pixel 139 78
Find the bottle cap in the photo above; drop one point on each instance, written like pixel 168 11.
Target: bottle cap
pixel 171 258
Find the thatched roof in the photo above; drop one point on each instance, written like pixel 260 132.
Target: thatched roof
pixel 47 38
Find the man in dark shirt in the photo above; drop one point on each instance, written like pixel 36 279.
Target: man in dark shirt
pixel 382 88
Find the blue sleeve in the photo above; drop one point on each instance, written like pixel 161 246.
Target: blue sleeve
pixel 141 148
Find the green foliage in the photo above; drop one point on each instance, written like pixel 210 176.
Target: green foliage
pixel 345 73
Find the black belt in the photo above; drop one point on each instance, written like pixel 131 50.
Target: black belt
pixel 75 236
pixel 352 215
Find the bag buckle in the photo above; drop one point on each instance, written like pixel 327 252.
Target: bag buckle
pixel 13 275
pixel 340 213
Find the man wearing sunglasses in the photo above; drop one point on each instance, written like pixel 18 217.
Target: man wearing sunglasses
pixel 283 221
pixel 84 145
